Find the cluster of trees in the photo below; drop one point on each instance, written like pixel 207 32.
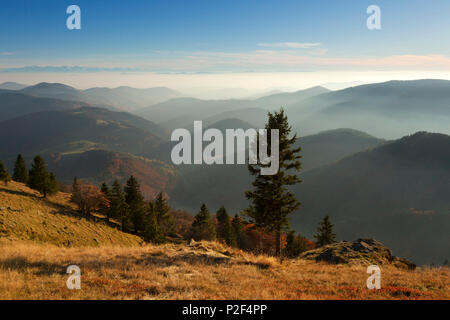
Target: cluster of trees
pixel 229 230
pixel 240 233
pixel 150 220
pixel 37 178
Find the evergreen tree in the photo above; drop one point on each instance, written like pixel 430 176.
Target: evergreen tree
pixel 118 206
pixel 163 216
pixel 202 227
pixel 224 228
pixel 105 189
pixel 271 202
pixel 75 185
pixel 136 204
pixel 105 207
pixel 4 175
pixel 51 184
pixel 237 227
pixel 20 170
pixel 40 179
pixel 151 231
pixel 325 233
pixel 295 245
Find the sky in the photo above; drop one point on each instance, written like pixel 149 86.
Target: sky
pixel 246 44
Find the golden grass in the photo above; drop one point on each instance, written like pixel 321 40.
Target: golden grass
pixel 25 215
pixel 202 271
pixel 35 233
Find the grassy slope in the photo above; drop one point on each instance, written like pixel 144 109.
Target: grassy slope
pixel 204 271
pixel 34 258
pixel 25 215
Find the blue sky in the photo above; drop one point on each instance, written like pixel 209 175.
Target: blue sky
pixel 206 36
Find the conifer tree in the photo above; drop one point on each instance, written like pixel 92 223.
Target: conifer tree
pixel 40 179
pixel 202 227
pixel 163 216
pixel 118 206
pixel 51 184
pixel 224 229
pixel 237 228
pixel 4 175
pixel 105 207
pixel 325 233
pixel 151 231
pixel 271 201
pixel 294 245
pixel 20 170
pixel 136 204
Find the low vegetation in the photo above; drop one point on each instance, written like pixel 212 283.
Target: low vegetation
pixel 202 270
pixel 26 216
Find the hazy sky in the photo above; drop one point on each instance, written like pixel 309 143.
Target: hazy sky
pixel 223 43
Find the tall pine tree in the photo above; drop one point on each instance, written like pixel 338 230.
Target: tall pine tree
pixel 20 170
pixel 325 233
pixel 40 179
pixel 224 229
pixel 163 215
pixel 136 204
pixel 237 227
pixel 203 228
pixel 271 202
pixel 4 175
pixel 151 231
pixel 118 206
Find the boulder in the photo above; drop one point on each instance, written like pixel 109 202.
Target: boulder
pixel 360 251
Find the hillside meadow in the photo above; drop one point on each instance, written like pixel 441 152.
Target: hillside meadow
pixel 202 271
pixel 40 238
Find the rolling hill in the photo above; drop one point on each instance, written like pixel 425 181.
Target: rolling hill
pixel 398 188
pixel 77 130
pixel 225 184
pixel 12 86
pixel 98 166
pixel 180 113
pixel 14 104
pixel 27 217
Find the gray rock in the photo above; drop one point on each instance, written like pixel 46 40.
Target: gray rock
pixel 360 251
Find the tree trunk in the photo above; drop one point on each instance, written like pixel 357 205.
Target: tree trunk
pixel 278 243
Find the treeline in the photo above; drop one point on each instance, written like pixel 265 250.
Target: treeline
pixel 37 178
pixel 126 205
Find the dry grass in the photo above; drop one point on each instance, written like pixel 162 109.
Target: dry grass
pixel 25 215
pixel 34 233
pixel 202 271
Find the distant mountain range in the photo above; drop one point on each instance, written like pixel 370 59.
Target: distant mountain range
pixel 389 110
pixel 180 113
pixel 121 98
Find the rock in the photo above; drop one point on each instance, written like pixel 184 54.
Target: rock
pixel 403 263
pixel 361 251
